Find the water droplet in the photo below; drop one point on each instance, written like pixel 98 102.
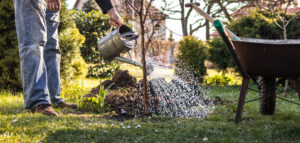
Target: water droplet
pixel 205 139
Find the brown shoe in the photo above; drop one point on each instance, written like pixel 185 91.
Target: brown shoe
pixel 67 105
pixel 45 109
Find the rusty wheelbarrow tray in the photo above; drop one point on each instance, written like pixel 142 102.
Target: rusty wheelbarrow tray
pixel 266 62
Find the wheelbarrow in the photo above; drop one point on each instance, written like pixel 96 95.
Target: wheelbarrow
pixel 266 62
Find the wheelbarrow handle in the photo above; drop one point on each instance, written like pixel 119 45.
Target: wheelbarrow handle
pixel 195 5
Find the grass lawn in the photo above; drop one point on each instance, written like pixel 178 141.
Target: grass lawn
pixel 16 125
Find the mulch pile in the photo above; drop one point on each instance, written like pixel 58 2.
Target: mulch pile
pixel 123 96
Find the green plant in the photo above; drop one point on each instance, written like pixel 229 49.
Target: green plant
pixel 96 104
pixel 192 54
pixel 220 80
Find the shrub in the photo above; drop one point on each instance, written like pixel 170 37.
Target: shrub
pixel 220 80
pixel 256 25
pixel 219 54
pixel 93 26
pixel 10 76
pixel 72 64
pixel 192 53
pixel 260 24
pixel 103 70
pixel 70 41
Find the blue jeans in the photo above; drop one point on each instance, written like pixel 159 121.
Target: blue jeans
pixel 39 52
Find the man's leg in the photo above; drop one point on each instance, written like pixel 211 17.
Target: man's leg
pixel 52 59
pixel 31 29
pixel 52 56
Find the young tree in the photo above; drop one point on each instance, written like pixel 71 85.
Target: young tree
pixel 143 11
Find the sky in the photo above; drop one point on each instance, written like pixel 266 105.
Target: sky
pixel 173 25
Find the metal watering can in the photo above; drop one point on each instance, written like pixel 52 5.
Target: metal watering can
pixel 120 40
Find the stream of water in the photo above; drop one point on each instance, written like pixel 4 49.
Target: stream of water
pixel 182 96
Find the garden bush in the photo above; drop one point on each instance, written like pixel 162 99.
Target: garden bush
pixel 219 54
pixel 260 24
pixel 70 41
pixel 10 76
pixel 94 25
pixel 103 70
pixel 192 53
pixel 220 80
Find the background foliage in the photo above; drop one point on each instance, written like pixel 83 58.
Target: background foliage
pixel 94 25
pixel 219 54
pixel 192 53
pixel 10 76
pixel 70 40
pixel 72 65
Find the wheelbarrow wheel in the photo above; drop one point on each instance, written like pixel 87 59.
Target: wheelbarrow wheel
pixel 267 100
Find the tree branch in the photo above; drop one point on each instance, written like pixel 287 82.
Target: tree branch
pixel 132 6
pixel 147 10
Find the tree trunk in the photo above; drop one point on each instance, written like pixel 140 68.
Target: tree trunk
pixel 144 60
pixel 183 19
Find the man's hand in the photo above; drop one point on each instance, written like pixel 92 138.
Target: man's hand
pixel 53 5
pixel 114 18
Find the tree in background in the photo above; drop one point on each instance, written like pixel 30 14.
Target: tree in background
pixel 215 8
pixel 10 76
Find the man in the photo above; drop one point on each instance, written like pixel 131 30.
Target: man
pixel 36 25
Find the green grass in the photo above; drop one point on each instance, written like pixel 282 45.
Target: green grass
pixel 16 125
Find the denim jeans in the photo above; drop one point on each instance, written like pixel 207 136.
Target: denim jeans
pixel 39 52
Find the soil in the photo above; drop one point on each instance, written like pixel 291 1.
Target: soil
pixel 123 96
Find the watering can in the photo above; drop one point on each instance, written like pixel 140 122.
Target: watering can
pixel 120 40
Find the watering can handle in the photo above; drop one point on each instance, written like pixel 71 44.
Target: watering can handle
pixel 195 5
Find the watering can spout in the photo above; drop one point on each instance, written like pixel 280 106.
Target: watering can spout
pixel 128 61
pixel 149 66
